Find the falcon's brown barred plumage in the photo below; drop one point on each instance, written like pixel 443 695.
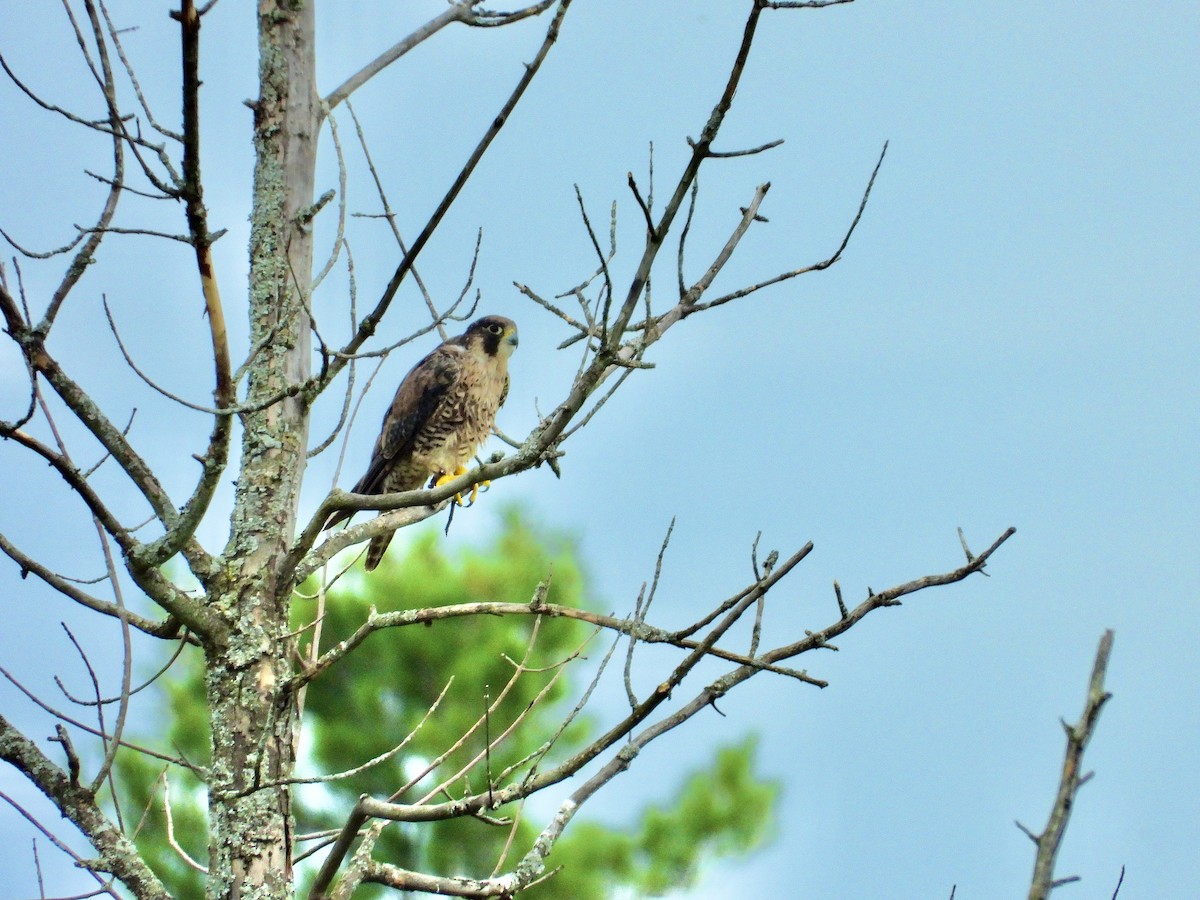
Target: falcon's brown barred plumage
pixel 442 411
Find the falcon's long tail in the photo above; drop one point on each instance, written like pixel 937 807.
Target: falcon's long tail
pixel 374 481
pixel 378 545
pixel 376 550
pixel 377 481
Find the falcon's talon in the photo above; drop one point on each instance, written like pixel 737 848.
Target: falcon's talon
pixel 475 491
pixel 478 489
pixel 447 477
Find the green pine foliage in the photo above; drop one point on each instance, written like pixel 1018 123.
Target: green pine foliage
pixel 381 694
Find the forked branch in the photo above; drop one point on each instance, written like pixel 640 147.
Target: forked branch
pixel 371 321
pixel 624 733
pixel 117 854
pixel 459 11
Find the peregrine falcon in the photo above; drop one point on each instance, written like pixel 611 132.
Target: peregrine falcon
pixel 442 411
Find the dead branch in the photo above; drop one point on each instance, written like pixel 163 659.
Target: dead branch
pixel 117 853
pixel 450 885
pixel 113 439
pixel 452 14
pixel 150 580
pixel 700 152
pixel 105 885
pixel 748 216
pixel 170 822
pixel 519 669
pixel 114 35
pixel 368 807
pixel 459 11
pixel 814 267
pixel 104 701
pixel 47 254
pixel 180 534
pixel 87 251
pixel 113 742
pixel 1072 778
pixel 889 597
pixel 168 628
pixel 369 323
pixel 41 704
pixel 538 607
pixel 391 220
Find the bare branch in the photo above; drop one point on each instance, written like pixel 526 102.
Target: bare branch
pixel 86 253
pixel 116 852
pixel 183 854
pixel 453 14
pixel 730 154
pixel 391 220
pixel 700 152
pixel 531 867
pixel 645 208
pixel 683 236
pixel 150 580
pixel 370 763
pixel 519 669
pixel 1078 736
pixel 804 270
pixel 113 742
pixel 114 35
pixel 168 628
pixel 801 4
pixel 198 771
pixel 449 885
pixel 459 11
pixel 486 18
pixel 690 296
pixel 162 670
pixel 371 321
pixel 551 307
pixel 105 887
pixel 889 597
pixel 45 254
pixel 180 533
pixel 113 439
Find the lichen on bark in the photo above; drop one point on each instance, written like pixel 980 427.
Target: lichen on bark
pixel 252 715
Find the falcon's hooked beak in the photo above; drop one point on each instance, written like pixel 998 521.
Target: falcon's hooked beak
pixel 509 341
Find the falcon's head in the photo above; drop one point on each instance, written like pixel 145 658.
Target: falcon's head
pixel 494 335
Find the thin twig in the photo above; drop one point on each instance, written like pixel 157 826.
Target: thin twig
pixel 371 321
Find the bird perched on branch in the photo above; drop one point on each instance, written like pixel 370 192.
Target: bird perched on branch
pixel 443 410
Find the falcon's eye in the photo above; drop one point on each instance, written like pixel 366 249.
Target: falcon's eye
pixel 494 328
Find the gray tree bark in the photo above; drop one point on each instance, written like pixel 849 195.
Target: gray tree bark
pixel 253 716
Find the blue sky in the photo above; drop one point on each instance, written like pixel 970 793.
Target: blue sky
pixel 1010 339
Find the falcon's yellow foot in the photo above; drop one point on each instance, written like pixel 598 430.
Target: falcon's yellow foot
pixel 447 477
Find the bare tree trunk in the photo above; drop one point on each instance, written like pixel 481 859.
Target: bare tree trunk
pixel 252 717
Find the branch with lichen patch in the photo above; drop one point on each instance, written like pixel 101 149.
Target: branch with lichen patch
pixel 117 853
